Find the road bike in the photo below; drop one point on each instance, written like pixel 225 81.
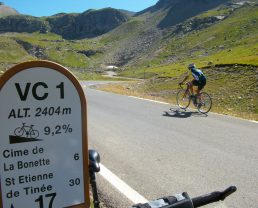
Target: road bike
pixel 27 131
pixel 203 102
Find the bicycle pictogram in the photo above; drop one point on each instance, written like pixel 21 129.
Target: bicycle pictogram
pixel 26 131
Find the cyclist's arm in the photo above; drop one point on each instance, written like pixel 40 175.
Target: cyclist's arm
pixel 186 76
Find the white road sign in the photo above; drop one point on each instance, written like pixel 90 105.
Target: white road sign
pixel 43 139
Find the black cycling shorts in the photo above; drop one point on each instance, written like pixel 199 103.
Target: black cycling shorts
pixel 201 83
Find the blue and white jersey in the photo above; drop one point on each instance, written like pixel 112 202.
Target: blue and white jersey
pixel 197 73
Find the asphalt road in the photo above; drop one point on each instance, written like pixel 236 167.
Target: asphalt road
pixel 159 150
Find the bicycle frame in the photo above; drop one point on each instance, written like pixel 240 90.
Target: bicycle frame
pixel 187 91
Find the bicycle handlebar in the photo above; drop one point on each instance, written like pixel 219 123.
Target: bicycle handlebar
pixel 213 197
pixel 184 201
pixel 181 85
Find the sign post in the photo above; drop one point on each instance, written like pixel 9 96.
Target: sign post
pixel 43 138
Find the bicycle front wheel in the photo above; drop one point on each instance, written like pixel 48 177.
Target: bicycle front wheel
pixel 205 103
pixel 182 99
pixel 34 134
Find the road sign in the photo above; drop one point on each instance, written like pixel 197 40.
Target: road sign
pixel 43 138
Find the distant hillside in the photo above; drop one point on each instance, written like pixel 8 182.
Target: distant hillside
pixel 6 10
pixel 89 24
pixel 151 37
pixel 22 23
pixel 181 10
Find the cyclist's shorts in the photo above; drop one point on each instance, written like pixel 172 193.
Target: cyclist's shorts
pixel 201 83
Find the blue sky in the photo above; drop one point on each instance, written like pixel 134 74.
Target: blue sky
pixel 50 7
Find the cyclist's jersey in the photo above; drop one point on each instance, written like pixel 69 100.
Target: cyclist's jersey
pixel 197 74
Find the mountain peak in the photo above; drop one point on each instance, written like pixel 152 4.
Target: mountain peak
pixel 181 10
pixel 181 4
pixel 6 10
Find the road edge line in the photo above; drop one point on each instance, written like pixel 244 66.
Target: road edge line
pixel 253 121
pixel 121 186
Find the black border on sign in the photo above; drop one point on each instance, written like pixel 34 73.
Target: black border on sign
pixel 48 64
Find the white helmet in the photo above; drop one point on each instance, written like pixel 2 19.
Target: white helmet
pixel 192 65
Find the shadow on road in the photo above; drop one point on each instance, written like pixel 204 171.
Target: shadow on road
pixel 180 113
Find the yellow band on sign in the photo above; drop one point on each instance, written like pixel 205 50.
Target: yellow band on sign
pixel 43 141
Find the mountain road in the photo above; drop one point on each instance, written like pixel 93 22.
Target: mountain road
pixel 160 150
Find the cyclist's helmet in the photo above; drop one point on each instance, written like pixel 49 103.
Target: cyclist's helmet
pixel 191 66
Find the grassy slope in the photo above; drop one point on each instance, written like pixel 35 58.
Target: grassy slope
pixel 234 90
pixel 54 48
pixel 11 53
pixel 233 40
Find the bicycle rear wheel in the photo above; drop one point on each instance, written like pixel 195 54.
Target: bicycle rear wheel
pixel 19 131
pixel 205 103
pixel 182 99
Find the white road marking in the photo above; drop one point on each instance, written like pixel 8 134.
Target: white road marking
pixel 155 101
pixel 121 186
pixel 253 121
pixel 126 190
pixel 190 108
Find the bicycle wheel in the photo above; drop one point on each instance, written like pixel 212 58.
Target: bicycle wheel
pixel 34 134
pixel 19 131
pixel 182 99
pixel 205 103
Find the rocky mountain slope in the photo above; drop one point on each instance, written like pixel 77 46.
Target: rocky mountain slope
pixel 22 23
pixel 178 11
pixel 149 33
pixel 89 24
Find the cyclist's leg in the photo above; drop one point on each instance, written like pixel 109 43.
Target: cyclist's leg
pixel 187 90
pixel 198 91
pixel 190 86
pixel 193 96
pixel 194 83
pixel 201 85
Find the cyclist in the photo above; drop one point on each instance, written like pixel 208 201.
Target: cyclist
pixel 199 80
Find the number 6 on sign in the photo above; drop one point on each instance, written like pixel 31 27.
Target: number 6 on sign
pixel 76 156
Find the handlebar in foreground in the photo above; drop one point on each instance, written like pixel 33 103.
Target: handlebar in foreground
pixel 184 201
pixel 213 197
